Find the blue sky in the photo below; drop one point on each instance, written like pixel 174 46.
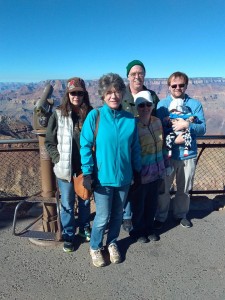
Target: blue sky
pixel 57 39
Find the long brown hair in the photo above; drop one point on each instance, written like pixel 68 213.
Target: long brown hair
pixel 84 108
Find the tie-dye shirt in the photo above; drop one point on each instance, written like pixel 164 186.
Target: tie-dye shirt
pixel 151 140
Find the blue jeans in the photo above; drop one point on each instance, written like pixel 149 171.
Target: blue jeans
pixel 109 203
pixel 67 210
pixel 127 211
pixel 144 205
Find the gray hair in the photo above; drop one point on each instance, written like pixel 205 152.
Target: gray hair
pixel 108 81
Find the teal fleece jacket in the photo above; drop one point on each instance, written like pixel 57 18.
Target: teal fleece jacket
pixel 118 150
pixel 197 128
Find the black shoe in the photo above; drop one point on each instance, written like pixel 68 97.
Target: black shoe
pixel 142 239
pixel 136 237
pixel 185 223
pixel 85 233
pixel 153 237
pixel 68 247
pixel 127 225
pixel 158 225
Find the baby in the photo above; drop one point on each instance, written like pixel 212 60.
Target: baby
pixel 177 110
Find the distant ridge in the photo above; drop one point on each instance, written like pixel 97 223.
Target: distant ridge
pixel 17 99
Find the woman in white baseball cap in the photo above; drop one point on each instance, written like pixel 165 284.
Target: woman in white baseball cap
pixel 144 199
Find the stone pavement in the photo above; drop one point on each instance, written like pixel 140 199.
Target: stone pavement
pixel 184 264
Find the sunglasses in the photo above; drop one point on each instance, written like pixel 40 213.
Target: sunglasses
pixel 143 104
pixel 174 86
pixel 78 93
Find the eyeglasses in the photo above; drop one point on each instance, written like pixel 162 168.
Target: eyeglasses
pixel 143 104
pixel 117 93
pixel 77 93
pixel 174 86
pixel 138 74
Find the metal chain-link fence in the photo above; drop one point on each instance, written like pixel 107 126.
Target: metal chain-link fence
pixel 20 168
pixel 210 171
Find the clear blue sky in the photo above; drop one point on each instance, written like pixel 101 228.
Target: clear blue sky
pixel 57 39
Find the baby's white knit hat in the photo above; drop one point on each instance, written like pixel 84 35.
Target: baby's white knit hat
pixel 176 104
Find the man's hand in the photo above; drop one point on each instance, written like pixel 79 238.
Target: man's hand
pixel 180 124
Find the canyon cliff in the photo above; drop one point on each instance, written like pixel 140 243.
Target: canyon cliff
pixel 17 101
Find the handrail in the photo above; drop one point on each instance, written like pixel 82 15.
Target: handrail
pixel 21 141
pixel 18 141
pixel 211 137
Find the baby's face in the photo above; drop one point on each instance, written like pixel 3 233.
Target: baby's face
pixel 174 111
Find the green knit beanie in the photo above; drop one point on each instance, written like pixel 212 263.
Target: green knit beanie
pixel 134 63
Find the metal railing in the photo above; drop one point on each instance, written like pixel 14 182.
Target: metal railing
pixel 20 168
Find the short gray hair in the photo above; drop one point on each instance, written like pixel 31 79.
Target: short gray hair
pixel 108 81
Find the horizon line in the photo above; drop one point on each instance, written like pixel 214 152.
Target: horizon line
pixel 124 78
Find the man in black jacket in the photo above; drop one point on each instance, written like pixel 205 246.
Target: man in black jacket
pixel 136 76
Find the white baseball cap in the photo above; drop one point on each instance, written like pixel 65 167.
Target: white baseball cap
pixel 143 96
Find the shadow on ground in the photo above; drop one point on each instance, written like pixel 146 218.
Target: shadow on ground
pixel 200 208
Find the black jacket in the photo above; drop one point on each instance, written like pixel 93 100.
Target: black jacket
pixel 128 101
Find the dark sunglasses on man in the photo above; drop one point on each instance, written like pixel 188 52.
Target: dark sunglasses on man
pixel 143 104
pixel 174 86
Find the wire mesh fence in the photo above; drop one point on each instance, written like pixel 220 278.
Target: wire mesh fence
pixel 210 171
pixel 20 168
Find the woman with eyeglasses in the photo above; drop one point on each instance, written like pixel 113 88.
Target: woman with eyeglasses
pixel 63 145
pixel 144 198
pixel 117 160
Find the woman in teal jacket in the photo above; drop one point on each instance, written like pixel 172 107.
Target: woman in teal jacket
pixel 117 161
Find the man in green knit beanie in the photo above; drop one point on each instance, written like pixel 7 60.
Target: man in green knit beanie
pixel 136 76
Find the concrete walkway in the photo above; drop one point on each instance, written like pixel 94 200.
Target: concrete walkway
pixel 184 264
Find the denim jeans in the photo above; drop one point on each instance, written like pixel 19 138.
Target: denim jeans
pixel 127 211
pixel 144 205
pixel 109 203
pixel 67 210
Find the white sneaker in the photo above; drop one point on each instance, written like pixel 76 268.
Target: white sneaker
pixel 114 253
pixel 97 258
